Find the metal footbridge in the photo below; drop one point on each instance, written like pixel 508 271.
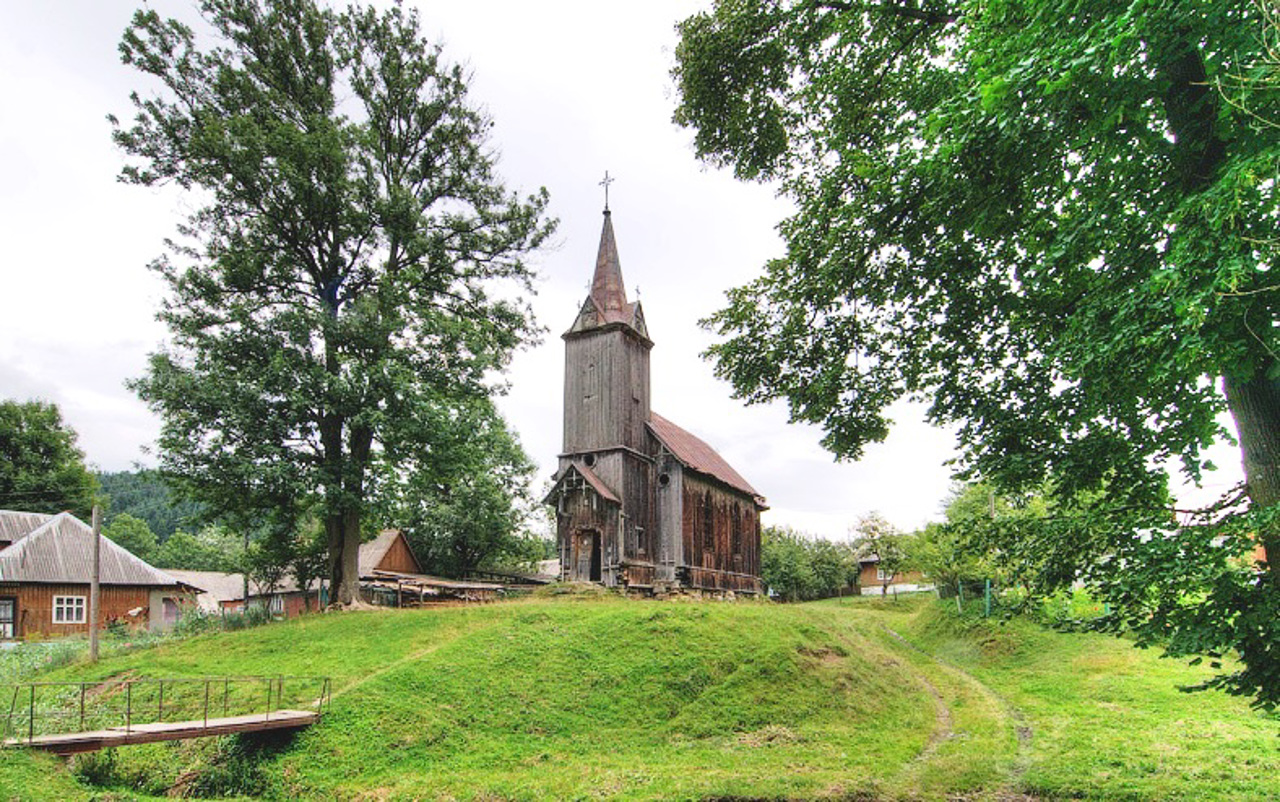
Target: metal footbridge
pixel 70 717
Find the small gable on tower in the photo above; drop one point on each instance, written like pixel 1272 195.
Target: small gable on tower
pixel 641 503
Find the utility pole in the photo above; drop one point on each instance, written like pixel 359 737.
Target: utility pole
pixel 94 582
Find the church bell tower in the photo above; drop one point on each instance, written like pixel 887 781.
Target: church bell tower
pixel 606 412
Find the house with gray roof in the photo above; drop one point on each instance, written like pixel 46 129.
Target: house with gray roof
pixel 46 562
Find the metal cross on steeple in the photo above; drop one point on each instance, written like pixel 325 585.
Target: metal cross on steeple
pixel 605 183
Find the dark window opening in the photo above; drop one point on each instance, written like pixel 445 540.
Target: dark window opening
pixel 589 460
pixel 664 479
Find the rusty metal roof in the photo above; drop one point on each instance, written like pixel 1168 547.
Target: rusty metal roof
pixel 607 290
pixel 597 484
pixel 699 456
pixel 607 303
pixel 61 551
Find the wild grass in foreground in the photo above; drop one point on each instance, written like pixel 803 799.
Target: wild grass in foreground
pixel 606 698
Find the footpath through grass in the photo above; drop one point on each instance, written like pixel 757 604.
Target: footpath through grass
pixel 581 698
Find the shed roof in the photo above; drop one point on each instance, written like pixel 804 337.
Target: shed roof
pixel 372 553
pixel 699 456
pixel 61 551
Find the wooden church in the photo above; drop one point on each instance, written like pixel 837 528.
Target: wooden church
pixel 641 504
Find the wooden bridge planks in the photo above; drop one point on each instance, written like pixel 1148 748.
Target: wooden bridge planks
pixel 71 743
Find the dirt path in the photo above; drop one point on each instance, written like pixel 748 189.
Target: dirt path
pixel 1018 720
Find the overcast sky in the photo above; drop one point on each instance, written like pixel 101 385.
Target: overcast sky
pixel 575 89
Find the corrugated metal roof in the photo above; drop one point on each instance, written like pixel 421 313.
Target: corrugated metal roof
pixel 61 551
pixel 217 586
pixel 221 587
pixel 697 455
pixel 14 526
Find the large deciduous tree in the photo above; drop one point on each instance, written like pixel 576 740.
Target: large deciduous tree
pixel 1044 220
pixel 354 263
pixel 41 469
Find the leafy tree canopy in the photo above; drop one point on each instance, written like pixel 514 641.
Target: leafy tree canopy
pixel 1044 221
pixel 41 470
pixel 354 269
pixel 798 567
pixel 134 535
pixel 213 548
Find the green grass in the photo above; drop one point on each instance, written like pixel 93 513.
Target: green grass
pixel 605 698
pixel 1106 720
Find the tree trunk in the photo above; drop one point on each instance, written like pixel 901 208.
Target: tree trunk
pixel 336 541
pixel 1255 406
pixel 360 442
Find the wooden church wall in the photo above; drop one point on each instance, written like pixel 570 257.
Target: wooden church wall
pixel 721 532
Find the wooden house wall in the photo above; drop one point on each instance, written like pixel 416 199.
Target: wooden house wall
pixel 399 558
pixel 35 606
pixel 721 533
pixel 606 390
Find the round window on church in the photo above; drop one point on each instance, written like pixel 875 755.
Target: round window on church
pixel 589 460
pixel 664 479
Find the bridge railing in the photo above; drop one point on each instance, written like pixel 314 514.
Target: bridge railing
pixel 54 708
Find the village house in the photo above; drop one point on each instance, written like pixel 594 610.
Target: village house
pixel 873 579
pixel 46 562
pixel 640 502
pixel 224 593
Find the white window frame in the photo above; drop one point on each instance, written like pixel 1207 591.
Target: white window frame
pixel 880 575
pixel 70 610
pixel 277 604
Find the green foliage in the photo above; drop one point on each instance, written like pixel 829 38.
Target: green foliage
pixel 41 470
pixel 134 535
pixel 355 273
pixel 797 567
pixel 469 508
pixel 213 548
pixel 145 495
pixel 1043 221
pixel 875 538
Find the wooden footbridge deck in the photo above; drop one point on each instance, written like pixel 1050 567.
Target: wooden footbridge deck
pixel 71 717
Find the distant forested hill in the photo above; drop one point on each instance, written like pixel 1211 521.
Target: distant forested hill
pixel 143 494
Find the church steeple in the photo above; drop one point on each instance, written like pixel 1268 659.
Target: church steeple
pixel 607 302
pixel 607 290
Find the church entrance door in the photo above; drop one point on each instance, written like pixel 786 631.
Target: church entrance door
pixel 587 562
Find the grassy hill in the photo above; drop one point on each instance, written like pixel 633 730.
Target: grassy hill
pixel 605 698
